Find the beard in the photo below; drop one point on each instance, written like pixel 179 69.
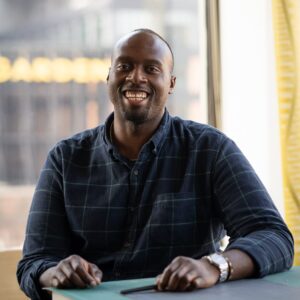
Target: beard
pixel 136 116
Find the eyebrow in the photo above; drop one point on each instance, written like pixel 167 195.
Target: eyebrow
pixel 148 61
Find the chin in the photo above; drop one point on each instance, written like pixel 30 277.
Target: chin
pixel 136 118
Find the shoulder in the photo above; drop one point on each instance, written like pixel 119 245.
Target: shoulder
pixel 201 135
pixel 85 141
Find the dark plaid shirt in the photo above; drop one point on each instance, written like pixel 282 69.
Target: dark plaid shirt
pixel 190 182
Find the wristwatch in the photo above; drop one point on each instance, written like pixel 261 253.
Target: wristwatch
pixel 219 261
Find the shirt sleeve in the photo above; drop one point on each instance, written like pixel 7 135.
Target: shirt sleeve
pixel 250 217
pixel 47 238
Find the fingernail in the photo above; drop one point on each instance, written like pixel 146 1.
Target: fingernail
pixel 55 282
pixel 93 283
pixel 198 282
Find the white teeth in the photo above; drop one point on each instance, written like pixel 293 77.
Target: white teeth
pixel 137 96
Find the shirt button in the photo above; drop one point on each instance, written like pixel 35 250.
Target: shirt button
pixel 127 245
pixel 132 209
pixel 136 172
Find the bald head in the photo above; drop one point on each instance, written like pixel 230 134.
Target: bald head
pixel 153 38
pixel 140 78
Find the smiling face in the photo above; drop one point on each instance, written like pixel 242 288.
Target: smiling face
pixel 140 78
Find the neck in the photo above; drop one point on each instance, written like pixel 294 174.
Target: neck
pixel 129 138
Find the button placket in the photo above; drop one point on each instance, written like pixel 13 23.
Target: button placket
pixel 123 259
pixel 127 245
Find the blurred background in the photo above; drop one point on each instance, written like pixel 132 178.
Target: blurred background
pixel 235 61
pixel 54 59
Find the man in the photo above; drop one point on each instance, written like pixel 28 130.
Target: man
pixel 147 194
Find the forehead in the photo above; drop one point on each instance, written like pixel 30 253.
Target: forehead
pixel 142 45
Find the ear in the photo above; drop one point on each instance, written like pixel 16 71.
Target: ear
pixel 172 84
pixel 107 77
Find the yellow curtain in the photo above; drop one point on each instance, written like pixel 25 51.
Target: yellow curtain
pixel 286 20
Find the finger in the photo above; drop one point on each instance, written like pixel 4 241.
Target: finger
pixel 158 281
pixel 66 269
pixel 192 275
pixel 177 279
pixel 185 287
pixel 60 280
pixel 82 271
pixel 185 283
pixel 77 281
pixel 55 283
pixel 198 283
pixel 71 274
pixel 188 282
pixel 165 276
pixel 96 273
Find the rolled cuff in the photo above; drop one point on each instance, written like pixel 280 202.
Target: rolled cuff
pixel 271 252
pixel 30 282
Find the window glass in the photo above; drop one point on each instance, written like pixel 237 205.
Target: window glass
pixel 54 59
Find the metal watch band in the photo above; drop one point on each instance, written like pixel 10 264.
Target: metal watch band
pixel 221 263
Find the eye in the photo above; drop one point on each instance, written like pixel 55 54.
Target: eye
pixel 152 69
pixel 123 67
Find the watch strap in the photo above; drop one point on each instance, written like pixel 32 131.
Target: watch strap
pixel 221 263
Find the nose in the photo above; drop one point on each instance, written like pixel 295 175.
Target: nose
pixel 137 75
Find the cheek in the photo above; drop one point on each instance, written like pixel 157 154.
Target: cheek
pixel 112 92
pixel 164 88
pixel 112 85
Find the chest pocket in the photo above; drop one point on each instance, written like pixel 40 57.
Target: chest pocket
pixel 173 220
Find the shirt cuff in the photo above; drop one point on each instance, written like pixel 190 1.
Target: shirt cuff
pixel 33 285
pixel 269 253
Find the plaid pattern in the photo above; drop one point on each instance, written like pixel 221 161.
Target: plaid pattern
pixel 132 218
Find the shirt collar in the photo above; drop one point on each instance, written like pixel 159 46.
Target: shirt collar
pixel 156 140
pixel 106 134
pixel 160 134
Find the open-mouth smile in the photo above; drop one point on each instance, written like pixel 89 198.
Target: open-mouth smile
pixel 135 96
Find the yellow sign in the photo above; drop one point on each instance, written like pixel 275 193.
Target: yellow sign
pixel 286 16
pixel 60 70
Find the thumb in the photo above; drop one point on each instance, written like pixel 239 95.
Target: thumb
pixel 198 283
pixel 158 281
pixel 95 272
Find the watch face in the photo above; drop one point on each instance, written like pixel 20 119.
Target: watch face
pixel 218 259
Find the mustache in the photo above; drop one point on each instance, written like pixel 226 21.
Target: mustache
pixel 135 87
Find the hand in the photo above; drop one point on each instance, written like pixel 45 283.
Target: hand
pixel 185 273
pixel 71 272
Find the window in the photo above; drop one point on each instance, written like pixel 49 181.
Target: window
pixel 52 83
